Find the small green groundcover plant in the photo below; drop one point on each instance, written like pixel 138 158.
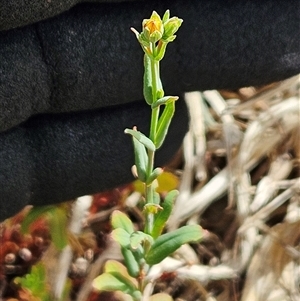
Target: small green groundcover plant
pixel 143 249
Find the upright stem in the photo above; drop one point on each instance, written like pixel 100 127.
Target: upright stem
pixel 150 190
pixel 155 112
pixel 149 222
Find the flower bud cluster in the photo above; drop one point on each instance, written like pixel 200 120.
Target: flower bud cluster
pixel 157 33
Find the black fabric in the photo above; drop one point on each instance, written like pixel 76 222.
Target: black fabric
pixel 85 62
pixel 17 13
pixel 88 58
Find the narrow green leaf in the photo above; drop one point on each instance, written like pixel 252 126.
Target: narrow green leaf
pixel 167 243
pixel 163 101
pixel 163 215
pixel 141 138
pixel 164 123
pixel 121 236
pixel 141 158
pixel 147 89
pixel 131 262
pixel 121 220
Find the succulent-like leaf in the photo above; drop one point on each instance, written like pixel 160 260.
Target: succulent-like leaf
pixel 141 160
pixel 108 282
pixel 140 157
pixel 167 243
pixel 147 89
pixel 115 278
pixel 121 236
pixel 140 143
pixel 164 123
pixel 121 220
pixel 131 262
pixel 119 270
pixel 155 173
pixel 163 215
pixel 163 101
pixel 141 138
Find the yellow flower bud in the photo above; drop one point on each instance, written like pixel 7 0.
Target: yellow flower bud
pixel 153 28
pixel 157 33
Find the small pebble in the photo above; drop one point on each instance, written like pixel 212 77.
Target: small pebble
pixel 10 258
pixel 89 255
pixel 25 254
pixel 80 266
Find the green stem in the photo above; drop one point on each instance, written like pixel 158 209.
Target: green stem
pixel 154 121
pixel 155 112
pixel 149 223
pixel 150 190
